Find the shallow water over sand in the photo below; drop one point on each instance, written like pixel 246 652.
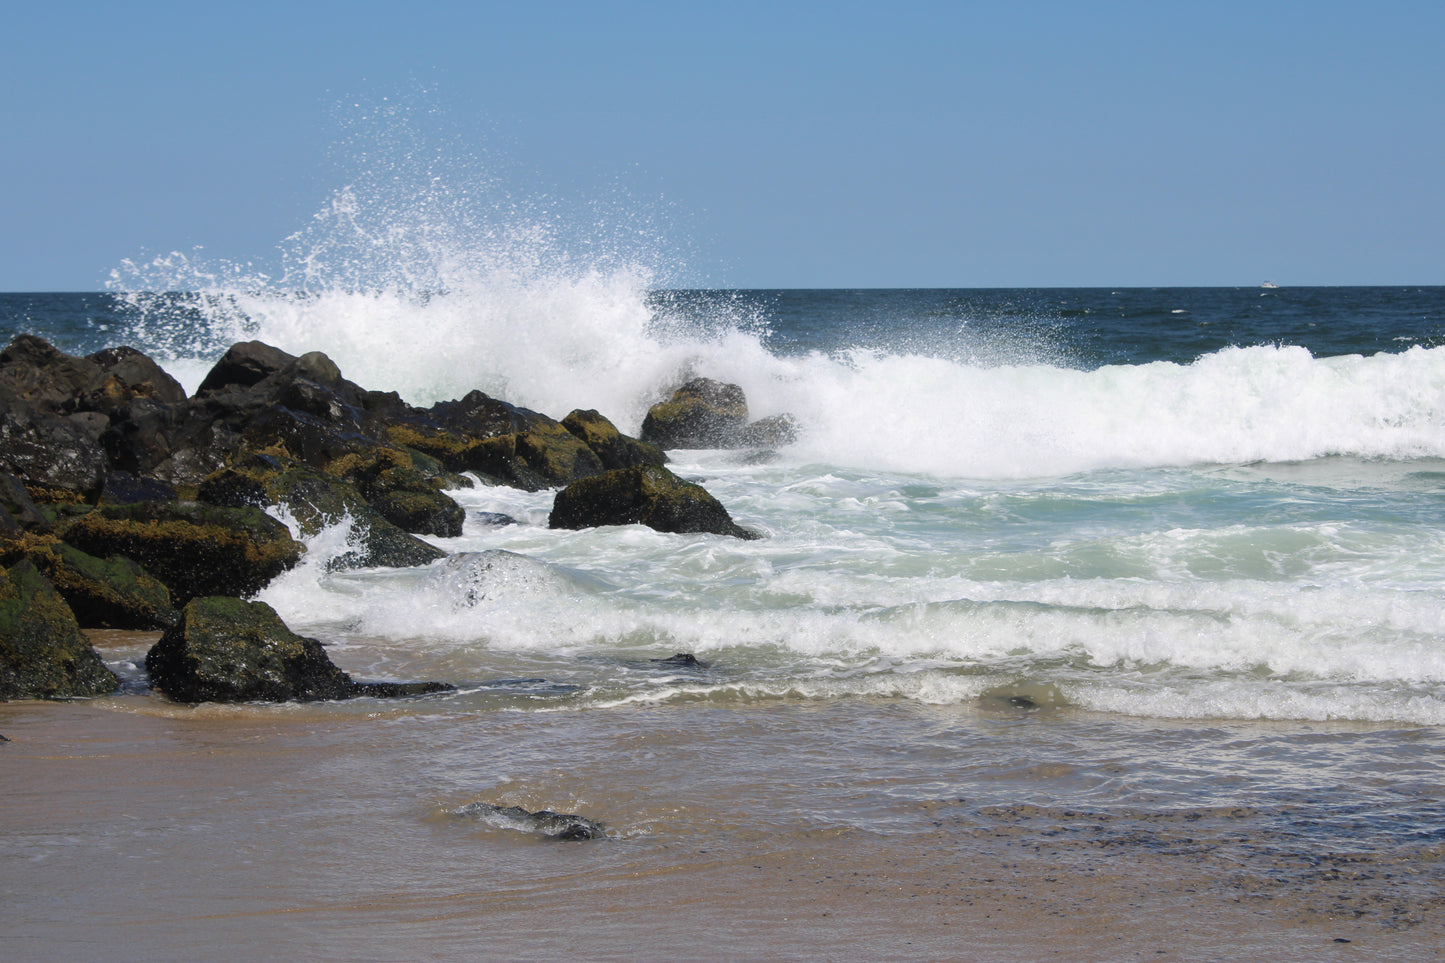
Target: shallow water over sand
pixel 782 828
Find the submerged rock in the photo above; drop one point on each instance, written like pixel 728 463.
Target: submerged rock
pixel 651 496
pixel 1024 695
pixel 229 650
pixel 43 653
pixel 682 660
pixel 543 822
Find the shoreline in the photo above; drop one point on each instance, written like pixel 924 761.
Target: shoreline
pixel 329 835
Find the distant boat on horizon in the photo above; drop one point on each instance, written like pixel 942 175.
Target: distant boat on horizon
pixel 1269 284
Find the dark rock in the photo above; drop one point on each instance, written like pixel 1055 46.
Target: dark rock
pixel 773 432
pixel 316 501
pixel 35 372
pixel 545 822
pixel 709 414
pixel 682 660
pixel 612 448
pixel 43 653
pixel 243 365
pixel 195 549
pixel 113 593
pixel 493 518
pixel 516 446
pixel 123 488
pixel 411 500
pixel 16 505
pixel 650 495
pixel 49 451
pixel 228 650
pixel 397 690
pixel 177 444
pixel 127 374
pixel 701 414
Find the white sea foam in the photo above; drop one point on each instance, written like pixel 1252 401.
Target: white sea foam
pixel 555 341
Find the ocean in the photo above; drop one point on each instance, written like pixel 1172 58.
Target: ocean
pixel 1107 623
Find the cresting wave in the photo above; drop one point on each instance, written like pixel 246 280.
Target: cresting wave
pixel 422 276
pixel 555 341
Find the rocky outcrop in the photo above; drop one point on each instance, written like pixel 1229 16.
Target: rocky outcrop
pixel 710 414
pixel 194 549
pixel 701 414
pixel 110 593
pixel 651 496
pixel 107 454
pixel 612 448
pixel 43 654
pixel 229 650
pixel 511 445
pixel 316 500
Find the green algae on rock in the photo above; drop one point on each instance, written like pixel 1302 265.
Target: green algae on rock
pixel 231 650
pixel 43 653
pixel 195 549
pixel 109 593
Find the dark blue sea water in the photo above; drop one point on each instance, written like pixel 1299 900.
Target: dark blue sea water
pixel 1085 327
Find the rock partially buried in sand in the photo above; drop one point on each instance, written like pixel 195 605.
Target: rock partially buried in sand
pixel 544 822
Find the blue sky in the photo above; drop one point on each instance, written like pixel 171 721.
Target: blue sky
pixel 773 144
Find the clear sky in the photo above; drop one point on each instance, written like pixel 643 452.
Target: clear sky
pixel 780 144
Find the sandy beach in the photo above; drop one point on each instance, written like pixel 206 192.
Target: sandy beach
pixel 135 829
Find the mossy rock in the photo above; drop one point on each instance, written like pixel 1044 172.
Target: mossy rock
pixel 701 414
pixel 43 653
pixel 195 549
pixel 421 512
pixel 650 495
pixel 543 456
pixel 612 447
pixel 316 501
pixel 111 593
pixel 230 650
pixel 403 495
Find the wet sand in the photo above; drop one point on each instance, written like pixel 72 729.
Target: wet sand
pixel 787 830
